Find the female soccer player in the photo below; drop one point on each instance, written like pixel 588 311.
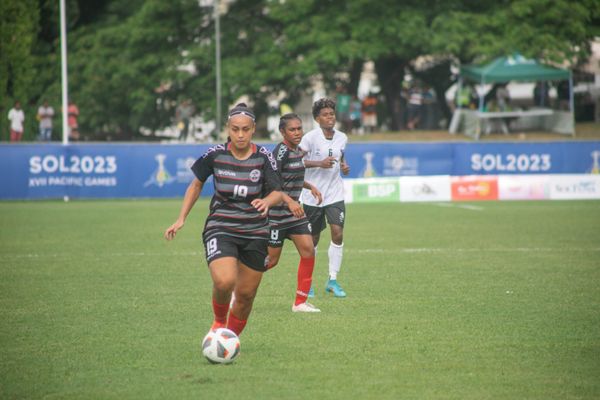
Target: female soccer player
pixel 288 220
pixel 324 160
pixel 236 231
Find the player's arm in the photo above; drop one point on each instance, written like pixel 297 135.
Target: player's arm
pixel 343 164
pixel 272 199
pixel 293 205
pixel 327 162
pixel 314 191
pixel 191 196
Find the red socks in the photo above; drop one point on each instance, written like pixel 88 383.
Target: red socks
pixel 305 271
pixel 221 321
pixel 235 324
pixel 220 311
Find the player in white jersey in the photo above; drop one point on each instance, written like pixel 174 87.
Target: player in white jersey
pixel 324 160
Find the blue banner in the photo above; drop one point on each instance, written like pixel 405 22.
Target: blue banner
pixel 37 171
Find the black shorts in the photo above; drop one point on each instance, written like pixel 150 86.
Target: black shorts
pixel 334 213
pixel 251 252
pixel 279 235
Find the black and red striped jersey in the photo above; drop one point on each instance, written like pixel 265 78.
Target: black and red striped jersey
pixel 291 169
pixel 237 183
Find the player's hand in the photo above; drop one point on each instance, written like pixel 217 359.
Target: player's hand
pixel 261 205
pixel 316 194
pixel 172 230
pixel 328 162
pixel 296 209
pixel 345 168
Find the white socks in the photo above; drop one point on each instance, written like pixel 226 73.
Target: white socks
pixel 335 254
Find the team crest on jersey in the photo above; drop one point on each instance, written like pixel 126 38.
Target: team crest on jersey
pixel 255 175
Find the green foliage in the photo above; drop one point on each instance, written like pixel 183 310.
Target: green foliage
pixel 126 57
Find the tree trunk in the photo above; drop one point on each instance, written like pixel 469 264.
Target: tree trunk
pixel 390 73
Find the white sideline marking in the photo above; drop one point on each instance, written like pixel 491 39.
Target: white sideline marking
pixel 406 250
pixel 458 205
pixel 473 250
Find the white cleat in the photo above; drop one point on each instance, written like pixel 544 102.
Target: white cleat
pixel 305 307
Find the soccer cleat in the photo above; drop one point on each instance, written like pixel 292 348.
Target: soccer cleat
pixel 311 292
pixel 335 288
pixel 305 307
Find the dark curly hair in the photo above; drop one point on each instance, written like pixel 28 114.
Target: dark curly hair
pixel 321 104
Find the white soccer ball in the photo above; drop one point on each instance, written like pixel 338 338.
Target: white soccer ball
pixel 221 346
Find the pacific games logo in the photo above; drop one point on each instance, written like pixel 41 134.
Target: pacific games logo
pixel 160 176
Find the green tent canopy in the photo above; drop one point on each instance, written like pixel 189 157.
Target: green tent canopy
pixel 513 68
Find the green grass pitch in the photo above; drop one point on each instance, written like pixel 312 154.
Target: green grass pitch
pixel 490 300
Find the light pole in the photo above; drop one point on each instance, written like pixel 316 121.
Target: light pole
pixel 64 78
pixel 216 10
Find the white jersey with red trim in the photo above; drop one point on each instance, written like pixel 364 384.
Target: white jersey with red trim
pixel 327 180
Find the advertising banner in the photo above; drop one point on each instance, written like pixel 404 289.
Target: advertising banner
pixel 425 188
pixel 97 171
pixel 570 187
pixel 474 188
pixel 376 190
pixel 524 187
pixel 133 170
pixel 526 158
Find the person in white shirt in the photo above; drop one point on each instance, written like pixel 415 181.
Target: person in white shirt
pixel 16 117
pixel 44 115
pixel 324 160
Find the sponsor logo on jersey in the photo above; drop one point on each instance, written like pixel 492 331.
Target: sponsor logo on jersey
pixel 270 157
pixel 281 152
pixel 255 175
pixel 225 172
pixel 213 149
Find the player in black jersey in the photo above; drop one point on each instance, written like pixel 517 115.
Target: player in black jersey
pixel 236 231
pixel 288 220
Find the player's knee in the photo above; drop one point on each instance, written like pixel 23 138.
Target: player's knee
pixel 307 251
pixel 245 298
pixel 224 284
pixel 337 238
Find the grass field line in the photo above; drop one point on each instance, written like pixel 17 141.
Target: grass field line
pixel 463 206
pixel 398 250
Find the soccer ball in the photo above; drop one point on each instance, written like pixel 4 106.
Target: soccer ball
pixel 221 346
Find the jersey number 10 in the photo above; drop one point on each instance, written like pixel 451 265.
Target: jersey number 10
pixel 240 191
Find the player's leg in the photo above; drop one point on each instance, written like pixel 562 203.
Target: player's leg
pixel 304 245
pixel 245 292
pixel 251 265
pixel 336 215
pixel 316 219
pixel 223 272
pixel 275 247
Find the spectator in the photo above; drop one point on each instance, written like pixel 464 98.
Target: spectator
pixel 183 114
pixel 355 115
pixel 502 98
pixel 343 103
pixel 44 116
pixel 415 103
pixel 369 113
pixel 73 112
pixel 564 96
pixel 17 118
pixel 540 95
